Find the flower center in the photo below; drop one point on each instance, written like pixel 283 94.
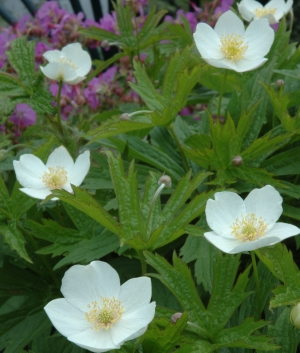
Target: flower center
pixel 264 11
pixel 249 227
pixel 233 46
pixel 67 61
pixel 55 178
pixel 105 316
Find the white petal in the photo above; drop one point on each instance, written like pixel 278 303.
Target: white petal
pixel 79 57
pixel 207 41
pixel 273 19
pixel 247 8
pixel 68 73
pixel 235 246
pixel 247 65
pixel 137 334
pixel 67 319
pixel 95 341
pixel 282 231
pixel 223 211
pixel 224 244
pixel 53 70
pixel 81 285
pixel 68 187
pixel 135 293
pixel 52 55
pixel 254 245
pixel 73 81
pixel 222 64
pixel 60 157
pixel 37 193
pixel 288 6
pixel 277 4
pixel 229 23
pixel 80 169
pixel 259 37
pixel 129 324
pixel 265 203
pixel 29 171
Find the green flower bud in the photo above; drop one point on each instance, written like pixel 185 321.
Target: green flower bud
pixel 295 315
pixel 3 155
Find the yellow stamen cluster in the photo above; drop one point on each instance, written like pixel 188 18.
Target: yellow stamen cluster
pixel 67 61
pixel 233 46
pixel 249 227
pixel 55 178
pixel 105 316
pixel 264 11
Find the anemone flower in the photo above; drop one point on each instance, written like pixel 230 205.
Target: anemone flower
pixel 70 65
pixel 97 313
pixel 230 46
pixel 274 10
pixel 59 172
pixel 244 225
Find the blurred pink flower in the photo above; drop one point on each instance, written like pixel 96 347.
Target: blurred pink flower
pixel 23 116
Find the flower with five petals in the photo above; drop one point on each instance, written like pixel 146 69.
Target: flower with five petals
pixel 70 65
pixel 97 313
pixel 274 10
pixel 59 172
pixel 230 46
pixel 244 225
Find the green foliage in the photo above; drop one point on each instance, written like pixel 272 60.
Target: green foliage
pixel 189 122
pixel 164 341
pixel 226 297
pixel 280 262
pixel 150 33
pixel 28 87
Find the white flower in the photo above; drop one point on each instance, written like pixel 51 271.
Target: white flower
pixel 274 10
pixel 229 46
pixel 70 65
pixel 59 172
pixel 244 225
pixel 97 313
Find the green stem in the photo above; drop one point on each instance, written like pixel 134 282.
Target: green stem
pixel 20 145
pixel 173 133
pixel 221 94
pixel 58 107
pixel 158 191
pixel 258 293
pixel 143 262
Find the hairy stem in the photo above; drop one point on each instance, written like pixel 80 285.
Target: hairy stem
pixel 221 94
pixel 258 292
pixel 58 107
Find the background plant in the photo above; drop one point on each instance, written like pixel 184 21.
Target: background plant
pixel 172 127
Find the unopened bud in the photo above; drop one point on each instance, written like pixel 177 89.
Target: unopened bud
pixel 105 44
pixel 3 155
pixel 279 83
pixel 237 161
pixel 295 316
pixel 124 116
pixel 165 179
pixel 175 317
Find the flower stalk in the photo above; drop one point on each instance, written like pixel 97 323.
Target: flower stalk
pixel 58 108
pixel 258 292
